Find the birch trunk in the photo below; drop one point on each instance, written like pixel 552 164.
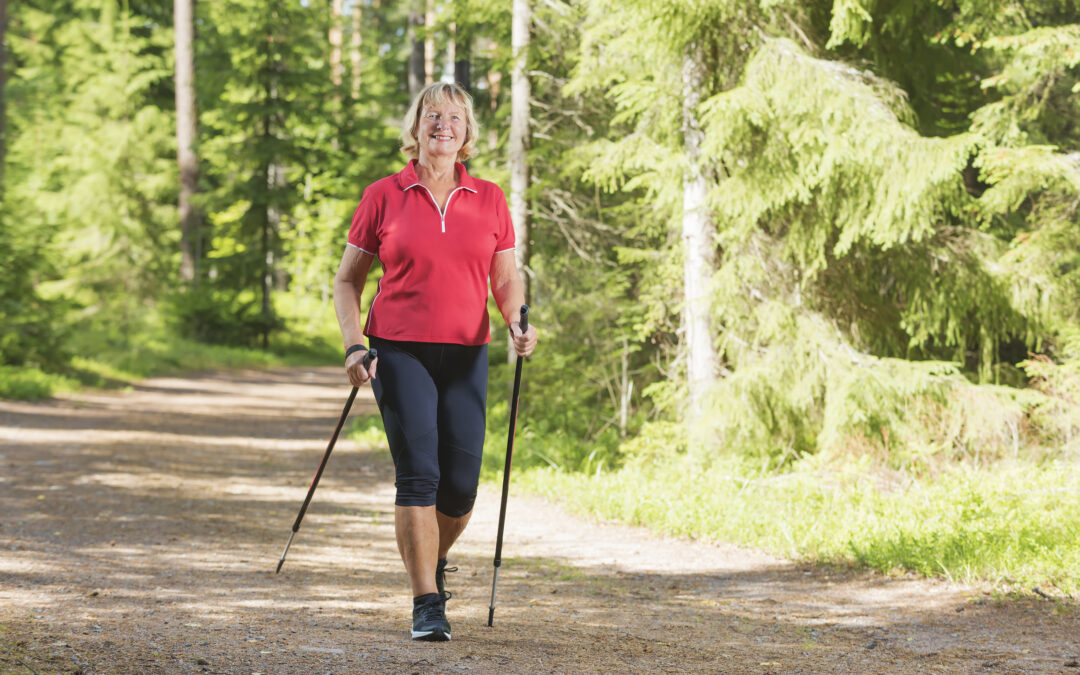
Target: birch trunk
pixel 494 81
pixel 354 48
pixel 429 43
pixel 699 258
pixel 451 50
pixel 336 35
pixel 3 83
pixel 519 140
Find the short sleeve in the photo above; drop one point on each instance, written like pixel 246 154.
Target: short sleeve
pixel 363 233
pixel 504 235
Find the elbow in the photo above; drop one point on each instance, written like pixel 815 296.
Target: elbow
pixel 342 284
pixel 499 292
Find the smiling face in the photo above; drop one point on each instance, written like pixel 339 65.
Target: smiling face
pixel 439 120
pixel 442 130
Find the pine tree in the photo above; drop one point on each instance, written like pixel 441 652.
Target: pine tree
pixel 831 208
pixel 260 138
pixel 92 170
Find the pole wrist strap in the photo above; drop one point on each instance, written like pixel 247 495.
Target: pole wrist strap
pixel 353 349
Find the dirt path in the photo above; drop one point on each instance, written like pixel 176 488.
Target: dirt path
pixel 139 534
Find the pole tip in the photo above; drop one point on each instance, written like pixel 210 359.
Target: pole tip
pixel 491 615
pixel 292 534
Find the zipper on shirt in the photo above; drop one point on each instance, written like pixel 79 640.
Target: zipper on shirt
pixel 442 213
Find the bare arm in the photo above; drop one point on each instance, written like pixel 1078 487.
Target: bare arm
pixel 348 289
pixel 509 295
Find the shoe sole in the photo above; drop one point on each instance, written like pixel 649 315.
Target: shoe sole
pixel 431 635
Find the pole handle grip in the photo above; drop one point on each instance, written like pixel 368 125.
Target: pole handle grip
pixel 524 319
pixel 370 356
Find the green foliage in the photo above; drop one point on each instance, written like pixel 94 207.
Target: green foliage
pixel 893 237
pixel 1014 524
pixel 1038 80
pixel 90 161
pixel 285 153
pixel 1058 412
pixel 847 239
pixel 215 317
pixel 30 325
pixel 31 384
pixel 106 359
pixel 89 196
pixel 367 431
pixel 894 189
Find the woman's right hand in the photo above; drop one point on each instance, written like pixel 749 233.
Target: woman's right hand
pixel 354 368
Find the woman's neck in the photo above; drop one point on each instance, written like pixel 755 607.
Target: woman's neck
pixel 436 170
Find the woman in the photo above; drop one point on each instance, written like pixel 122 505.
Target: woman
pixel 440 235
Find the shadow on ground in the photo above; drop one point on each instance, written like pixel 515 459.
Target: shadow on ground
pixel 140 533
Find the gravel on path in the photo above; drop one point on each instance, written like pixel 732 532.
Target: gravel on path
pixel 139 532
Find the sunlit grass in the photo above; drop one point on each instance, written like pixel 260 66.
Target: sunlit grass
pixel 31 384
pixel 1015 524
pixel 367 430
pixel 104 357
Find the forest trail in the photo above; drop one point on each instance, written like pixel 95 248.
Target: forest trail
pixel 139 533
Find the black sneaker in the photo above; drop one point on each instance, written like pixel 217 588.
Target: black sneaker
pixel 429 618
pixel 440 578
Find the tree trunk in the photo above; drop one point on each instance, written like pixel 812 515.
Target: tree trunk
pixel 416 56
pixel 494 80
pixel 271 224
pixel 460 55
pixel 3 83
pixel 519 140
pixel 699 257
pixel 429 43
pixel 626 389
pixel 462 74
pixel 520 92
pixel 354 48
pixel 336 35
pixel 187 161
pixel 451 50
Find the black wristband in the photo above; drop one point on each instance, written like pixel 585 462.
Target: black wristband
pixel 353 349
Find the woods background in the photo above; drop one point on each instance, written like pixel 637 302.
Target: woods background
pixel 808 273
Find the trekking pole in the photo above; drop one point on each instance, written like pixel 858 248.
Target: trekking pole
pixel 506 469
pixel 368 358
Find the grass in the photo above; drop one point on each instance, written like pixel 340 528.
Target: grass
pixel 1014 524
pixel 107 358
pixel 367 430
pixel 30 384
pixel 119 363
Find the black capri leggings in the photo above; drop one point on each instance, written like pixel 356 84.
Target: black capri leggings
pixel 432 398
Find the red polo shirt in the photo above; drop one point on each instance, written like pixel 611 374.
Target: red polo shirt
pixel 436 264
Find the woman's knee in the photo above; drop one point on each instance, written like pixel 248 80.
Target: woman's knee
pixel 454 504
pixel 417 475
pixel 416 490
pixel 457 485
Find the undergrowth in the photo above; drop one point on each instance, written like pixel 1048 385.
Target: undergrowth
pixel 1010 519
pixel 101 356
pixel 1015 524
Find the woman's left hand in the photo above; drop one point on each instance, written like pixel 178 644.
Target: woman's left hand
pixel 523 344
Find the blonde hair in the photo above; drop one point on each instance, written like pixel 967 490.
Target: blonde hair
pixel 438 94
